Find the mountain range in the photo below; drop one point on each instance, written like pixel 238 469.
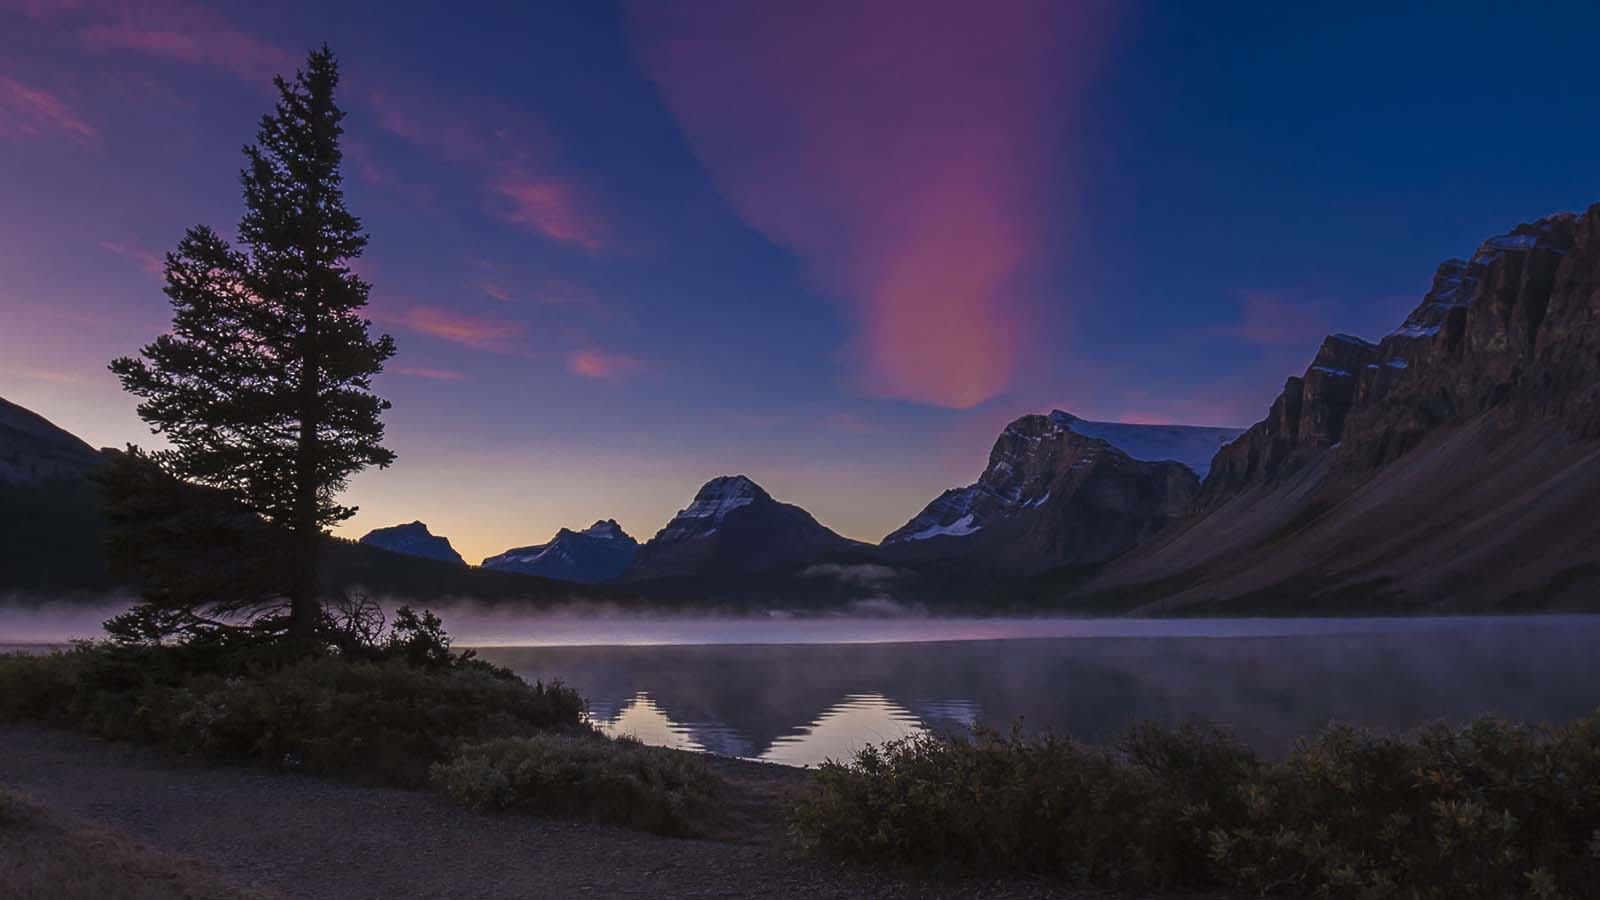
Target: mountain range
pixel 1453 464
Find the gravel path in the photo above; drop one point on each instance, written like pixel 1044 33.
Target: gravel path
pixel 310 838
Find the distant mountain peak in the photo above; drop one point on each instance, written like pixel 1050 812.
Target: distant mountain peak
pixel 1060 490
pixel 606 530
pixel 712 503
pixel 413 539
pixel 598 553
pixel 733 525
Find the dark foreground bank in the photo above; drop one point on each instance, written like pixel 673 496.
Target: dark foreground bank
pixel 310 837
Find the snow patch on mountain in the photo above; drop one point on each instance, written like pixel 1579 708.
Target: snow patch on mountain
pixel 959 528
pixel 1191 445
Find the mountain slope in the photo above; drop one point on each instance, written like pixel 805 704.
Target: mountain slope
pixel 1451 465
pixel 1062 491
pixel 50 524
pixel 413 539
pixel 52 532
pixel 32 450
pixel 599 553
pixel 734 528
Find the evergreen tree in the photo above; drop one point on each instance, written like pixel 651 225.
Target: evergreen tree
pixel 263 387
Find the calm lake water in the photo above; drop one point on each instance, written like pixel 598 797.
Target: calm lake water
pixel 799 692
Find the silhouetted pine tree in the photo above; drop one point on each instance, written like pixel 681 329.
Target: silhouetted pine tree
pixel 263 387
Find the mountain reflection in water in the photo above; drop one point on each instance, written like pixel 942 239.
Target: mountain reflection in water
pixel 799 704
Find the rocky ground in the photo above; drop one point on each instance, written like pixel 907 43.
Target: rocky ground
pixel 304 837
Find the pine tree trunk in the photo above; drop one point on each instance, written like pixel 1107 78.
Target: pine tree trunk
pixel 304 606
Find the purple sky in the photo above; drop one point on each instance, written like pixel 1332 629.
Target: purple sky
pixel 831 245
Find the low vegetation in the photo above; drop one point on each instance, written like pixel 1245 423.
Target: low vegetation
pixel 1490 810
pixel 616 781
pixel 383 715
pixel 46 857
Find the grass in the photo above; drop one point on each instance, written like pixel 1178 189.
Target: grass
pixel 1490 810
pixel 44 856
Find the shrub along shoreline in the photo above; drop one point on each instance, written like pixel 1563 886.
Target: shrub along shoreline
pixel 392 716
pixel 1489 810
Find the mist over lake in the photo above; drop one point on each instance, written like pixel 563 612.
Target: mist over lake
pixel 799 692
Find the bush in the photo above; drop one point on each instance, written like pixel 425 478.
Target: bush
pixel 589 776
pixel 1486 811
pixel 382 721
pixel 1045 804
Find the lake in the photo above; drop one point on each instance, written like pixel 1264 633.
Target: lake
pixel 801 691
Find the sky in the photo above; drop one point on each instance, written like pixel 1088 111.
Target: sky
pixel 835 246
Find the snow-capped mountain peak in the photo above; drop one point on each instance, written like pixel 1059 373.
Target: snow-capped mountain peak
pixel 713 502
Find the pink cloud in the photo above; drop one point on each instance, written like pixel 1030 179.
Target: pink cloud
pixel 551 208
pixel 495 290
pixel 479 332
pixel 186 32
pixel 28 112
pixel 852 424
pixel 901 150
pixel 366 165
pixel 513 159
pixel 593 363
pixel 435 374
pixel 148 262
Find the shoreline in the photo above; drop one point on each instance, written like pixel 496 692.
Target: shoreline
pixel 310 837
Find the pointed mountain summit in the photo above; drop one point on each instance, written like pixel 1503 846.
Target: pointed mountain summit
pixel 1062 491
pixel 734 527
pixel 413 539
pixel 596 554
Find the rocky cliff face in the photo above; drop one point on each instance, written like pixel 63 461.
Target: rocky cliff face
pixel 599 553
pixel 1447 465
pixel 413 539
pixel 1508 331
pixel 1061 491
pixel 734 527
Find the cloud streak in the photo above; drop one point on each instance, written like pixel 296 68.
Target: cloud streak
pixel 512 160
pixel 593 363
pixel 479 332
pixel 432 374
pixel 28 112
pixel 899 150
pixel 185 32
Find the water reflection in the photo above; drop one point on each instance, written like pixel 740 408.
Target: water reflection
pixel 843 729
pixel 799 704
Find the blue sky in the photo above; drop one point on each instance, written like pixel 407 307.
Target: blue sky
pixel 834 246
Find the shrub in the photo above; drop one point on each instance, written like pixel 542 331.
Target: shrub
pixel 1490 810
pixel 378 721
pixel 589 776
pixel 1045 804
